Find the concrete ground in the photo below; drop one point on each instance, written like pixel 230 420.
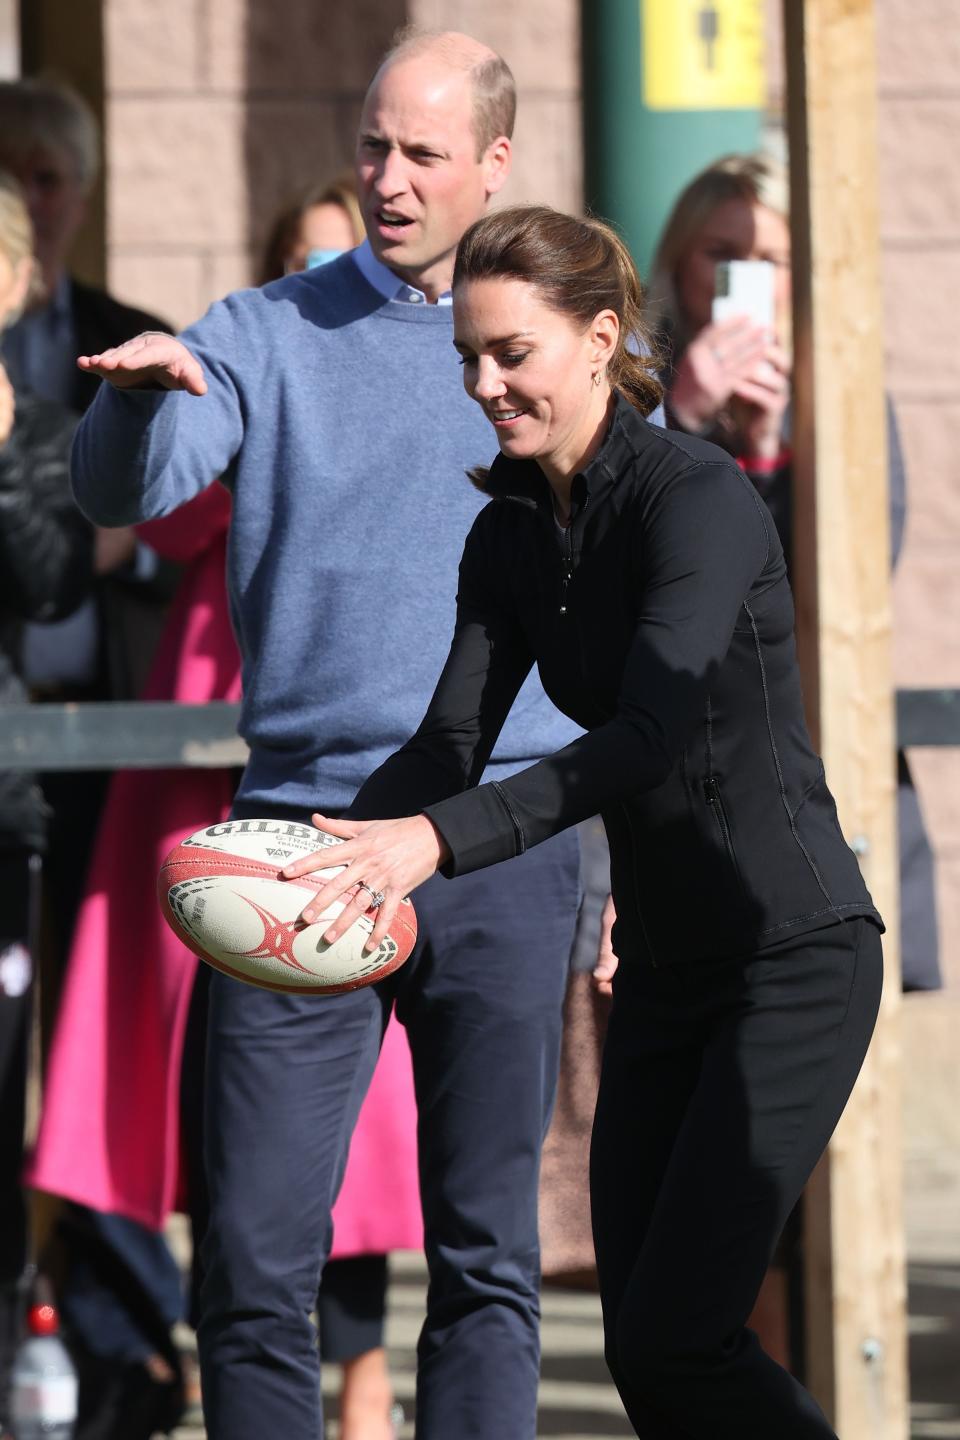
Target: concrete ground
pixel 577 1401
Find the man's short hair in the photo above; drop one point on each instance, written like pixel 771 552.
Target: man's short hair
pixel 47 112
pixel 491 79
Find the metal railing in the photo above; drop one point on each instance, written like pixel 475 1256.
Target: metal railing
pixel 151 736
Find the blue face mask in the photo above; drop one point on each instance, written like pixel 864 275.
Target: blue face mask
pixel 320 257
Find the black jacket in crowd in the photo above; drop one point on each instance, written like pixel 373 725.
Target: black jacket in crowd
pixel 662 622
pixel 46 561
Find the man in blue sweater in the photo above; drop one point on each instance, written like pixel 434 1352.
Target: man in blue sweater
pixel 331 403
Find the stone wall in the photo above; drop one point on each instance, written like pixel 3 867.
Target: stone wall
pixel 919 88
pixel 919 122
pixel 217 115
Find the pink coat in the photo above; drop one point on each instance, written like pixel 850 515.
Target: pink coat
pixel 110 1127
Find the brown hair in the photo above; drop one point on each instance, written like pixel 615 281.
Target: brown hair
pixel 342 191
pixel 579 267
pixel 493 89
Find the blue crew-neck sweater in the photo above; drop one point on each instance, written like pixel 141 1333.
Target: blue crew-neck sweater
pixel 339 422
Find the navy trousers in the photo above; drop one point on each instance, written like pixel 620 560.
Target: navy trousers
pixel 722 1083
pixel 481 1001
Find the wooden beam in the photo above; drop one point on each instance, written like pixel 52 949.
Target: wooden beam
pixel 855 1270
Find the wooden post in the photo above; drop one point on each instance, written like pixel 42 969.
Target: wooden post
pixel 855 1272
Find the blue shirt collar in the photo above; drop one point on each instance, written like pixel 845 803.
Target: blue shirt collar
pixel 386 283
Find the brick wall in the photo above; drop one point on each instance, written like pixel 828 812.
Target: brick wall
pixel 919 90
pixel 217 114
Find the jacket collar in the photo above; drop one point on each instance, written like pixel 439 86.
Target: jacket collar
pixel 626 436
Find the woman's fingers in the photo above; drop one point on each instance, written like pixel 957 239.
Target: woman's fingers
pixel 356 906
pixel 381 929
pixel 779 358
pixel 329 893
pixel 746 351
pixel 344 829
pixel 607 962
pixel 321 859
pixel 383 857
pixel 767 395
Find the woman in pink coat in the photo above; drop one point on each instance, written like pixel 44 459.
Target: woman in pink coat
pixel 111 1136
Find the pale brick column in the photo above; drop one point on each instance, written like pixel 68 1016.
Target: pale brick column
pixel 920 175
pixel 919 78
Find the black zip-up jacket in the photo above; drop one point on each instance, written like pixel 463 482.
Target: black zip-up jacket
pixel 46 569
pixel 662 622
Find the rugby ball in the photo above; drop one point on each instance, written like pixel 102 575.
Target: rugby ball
pixel 220 891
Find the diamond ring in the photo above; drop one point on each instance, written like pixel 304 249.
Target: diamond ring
pixel 377 897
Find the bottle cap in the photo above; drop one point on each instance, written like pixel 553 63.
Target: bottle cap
pixel 43 1320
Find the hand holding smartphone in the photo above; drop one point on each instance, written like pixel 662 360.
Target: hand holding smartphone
pixel 745 288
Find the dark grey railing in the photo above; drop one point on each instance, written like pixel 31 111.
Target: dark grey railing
pixel 145 736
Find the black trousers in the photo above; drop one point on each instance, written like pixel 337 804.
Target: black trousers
pixel 722 1083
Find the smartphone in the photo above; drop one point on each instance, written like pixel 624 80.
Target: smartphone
pixel 745 287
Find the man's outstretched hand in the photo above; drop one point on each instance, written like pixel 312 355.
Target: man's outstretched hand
pixel 149 360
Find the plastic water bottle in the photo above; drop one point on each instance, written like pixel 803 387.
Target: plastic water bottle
pixel 43 1383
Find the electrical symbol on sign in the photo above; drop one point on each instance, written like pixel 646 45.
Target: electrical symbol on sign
pixel 708 29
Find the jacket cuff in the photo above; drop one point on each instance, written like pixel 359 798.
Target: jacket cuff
pixel 477 828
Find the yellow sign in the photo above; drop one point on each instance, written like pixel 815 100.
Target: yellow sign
pixel 703 56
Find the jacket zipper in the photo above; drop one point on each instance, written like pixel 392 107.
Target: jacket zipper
pixel 564 585
pixel 567 569
pixel 636 888
pixel 514 818
pixel 568 572
pixel 711 793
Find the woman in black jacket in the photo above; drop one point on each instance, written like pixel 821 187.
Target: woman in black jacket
pixel 643 575
pixel 46 550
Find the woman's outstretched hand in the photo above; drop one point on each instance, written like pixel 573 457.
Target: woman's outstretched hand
pixel 388 857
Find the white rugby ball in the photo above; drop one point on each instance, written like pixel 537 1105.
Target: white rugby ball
pixel 221 892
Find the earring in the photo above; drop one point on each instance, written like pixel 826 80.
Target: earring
pixel 597 376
